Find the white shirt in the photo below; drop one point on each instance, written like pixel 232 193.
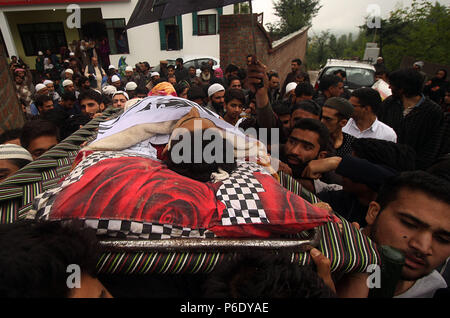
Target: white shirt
pixel 378 130
pixel 425 287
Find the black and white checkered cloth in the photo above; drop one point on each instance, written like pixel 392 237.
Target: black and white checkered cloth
pixel 239 193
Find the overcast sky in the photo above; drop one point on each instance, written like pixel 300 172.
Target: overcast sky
pixel 340 17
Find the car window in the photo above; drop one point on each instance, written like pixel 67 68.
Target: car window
pixel 356 77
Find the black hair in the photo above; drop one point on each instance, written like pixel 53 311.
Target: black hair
pixel 110 72
pixel 441 168
pixel 231 68
pixel 204 67
pixel 281 107
pixel 90 94
pixel 368 97
pixel 317 127
pixel 41 99
pixel 329 80
pixel 37 128
pixel 445 73
pixel 308 105
pixel 298 61
pixel 270 75
pixel 409 80
pixel 180 87
pixel 11 134
pixel 146 65
pixel 34 257
pixel 141 90
pixel 196 92
pixel 82 80
pixel 261 274
pixel 202 171
pixel 69 96
pixel 233 78
pixel 433 186
pixel 170 67
pixel 107 100
pixel 400 157
pixel 20 163
pixel 381 72
pixel 179 60
pixel 192 67
pixel 341 72
pixel 234 93
pixel 304 89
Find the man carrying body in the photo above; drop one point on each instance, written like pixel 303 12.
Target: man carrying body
pixel 335 114
pixel 411 214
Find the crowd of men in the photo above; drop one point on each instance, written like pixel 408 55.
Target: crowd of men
pixel 383 164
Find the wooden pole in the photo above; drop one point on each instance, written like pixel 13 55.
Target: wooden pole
pixel 253 27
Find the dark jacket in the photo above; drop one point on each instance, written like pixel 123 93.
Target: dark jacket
pixel 421 128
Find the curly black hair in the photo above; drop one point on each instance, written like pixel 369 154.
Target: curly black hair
pixel 259 274
pixel 34 257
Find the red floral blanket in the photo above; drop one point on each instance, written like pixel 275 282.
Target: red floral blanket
pixel 131 196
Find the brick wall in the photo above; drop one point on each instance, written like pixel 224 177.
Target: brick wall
pixel 10 113
pixel 236 42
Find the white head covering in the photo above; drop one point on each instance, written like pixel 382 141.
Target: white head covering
pixel 214 88
pixel 131 86
pixel 46 82
pixel 112 67
pixel 129 68
pixel 419 64
pixel 69 70
pixel 115 78
pixel 40 53
pixel 121 93
pixel 39 87
pixel 67 82
pixel 12 151
pixel 291 86
pixel 109 90
pixel 72 54
pixel 154 74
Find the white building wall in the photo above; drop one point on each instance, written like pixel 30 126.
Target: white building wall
pixel 143 41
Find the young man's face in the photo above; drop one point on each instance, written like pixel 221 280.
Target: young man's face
pixel 301 147
pixel 119 101
pixel 50 87
pixel 416 224
pixel 171 71
pixel 234 109
pixel 90 106
pixel 295 67
pixel 7 168
pixel 192 72
pixel 46 106
pixel 336 91
pixel 43 91
pixel 173 80
pixel 236 84
pixel 18 79
pixel 358 110
pixel 116 84
pixel 67 104
pixel 331 120
pixel 274 82
pixel 86 85
pixel 41 144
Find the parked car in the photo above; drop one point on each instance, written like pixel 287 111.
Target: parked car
pixel 359 74
pixel 194 61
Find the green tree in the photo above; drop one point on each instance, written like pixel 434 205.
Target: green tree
pixel 241 8
pixel 421 31
pixel 294 15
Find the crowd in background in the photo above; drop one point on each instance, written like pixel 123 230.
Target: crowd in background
pixel 341 145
